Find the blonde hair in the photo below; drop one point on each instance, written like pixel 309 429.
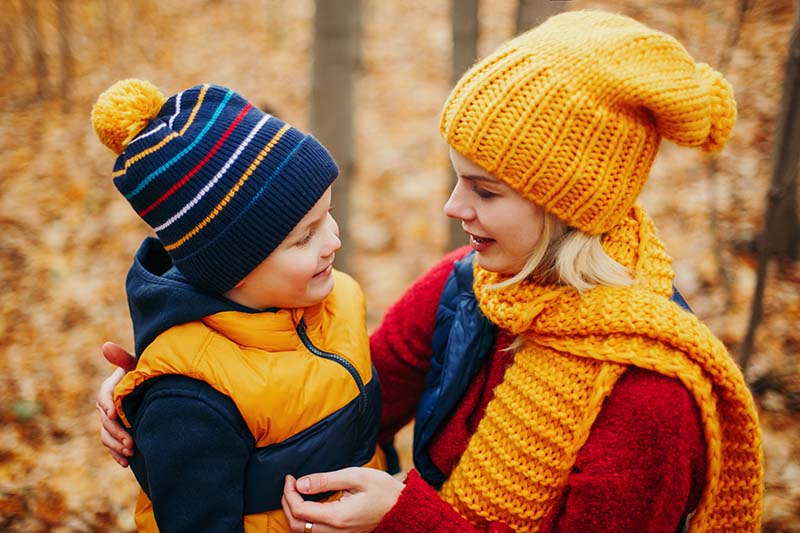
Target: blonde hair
pixel 582 263
pixel 571 257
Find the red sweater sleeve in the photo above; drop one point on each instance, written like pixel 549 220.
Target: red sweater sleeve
pixel 401 345
pixel 420 509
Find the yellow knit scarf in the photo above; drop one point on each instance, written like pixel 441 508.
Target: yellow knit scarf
pixel 517 463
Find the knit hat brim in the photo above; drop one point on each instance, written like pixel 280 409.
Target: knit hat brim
pixel 244 243
pixel 220 182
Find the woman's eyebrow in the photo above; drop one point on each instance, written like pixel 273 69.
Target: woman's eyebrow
pixel 478 177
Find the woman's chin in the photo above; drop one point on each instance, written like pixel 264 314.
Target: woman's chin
pixel 498 265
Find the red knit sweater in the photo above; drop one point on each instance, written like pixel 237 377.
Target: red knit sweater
pixel 642 468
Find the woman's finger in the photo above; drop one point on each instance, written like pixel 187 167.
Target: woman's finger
pixel 118 445
pixel 295 524
pixel 118 451
pixel 112 434
pixel 368 494
pixel 116 432
pixel 344 479
pixel 120 459
pixel 291 497
pixel 298 511
pixel 104 398
pixel 118 356
pixel 114 445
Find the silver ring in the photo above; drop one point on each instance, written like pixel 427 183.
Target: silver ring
pixel 307 527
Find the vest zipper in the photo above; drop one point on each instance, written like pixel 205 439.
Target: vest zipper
pixel 362 390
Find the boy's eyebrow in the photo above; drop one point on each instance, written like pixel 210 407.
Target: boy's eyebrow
pixel 302 228
pixel 299 229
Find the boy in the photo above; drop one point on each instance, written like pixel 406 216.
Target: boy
pixel 253 356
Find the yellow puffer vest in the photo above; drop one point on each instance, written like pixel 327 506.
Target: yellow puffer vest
pixel 243 355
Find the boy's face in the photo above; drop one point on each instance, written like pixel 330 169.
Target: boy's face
pixel 299 272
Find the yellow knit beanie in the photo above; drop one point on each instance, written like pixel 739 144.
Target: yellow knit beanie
pixel 570 114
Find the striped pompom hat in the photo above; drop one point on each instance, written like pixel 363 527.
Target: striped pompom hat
pixel 220 182
pixel 571 113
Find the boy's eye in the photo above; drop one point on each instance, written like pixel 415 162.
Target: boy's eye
pixel 483 193
pixel 305 240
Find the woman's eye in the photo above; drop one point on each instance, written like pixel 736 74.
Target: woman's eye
pixel 483 193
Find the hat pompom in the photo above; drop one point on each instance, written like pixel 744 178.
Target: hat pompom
pixel 722 108
pixel 123 110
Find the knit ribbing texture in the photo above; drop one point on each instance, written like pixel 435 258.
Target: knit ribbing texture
pixel 220 182
pixel 516 465
pixel 571 113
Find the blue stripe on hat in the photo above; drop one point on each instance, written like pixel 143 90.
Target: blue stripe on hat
pixel 183 152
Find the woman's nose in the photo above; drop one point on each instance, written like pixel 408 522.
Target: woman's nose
pixel 457 206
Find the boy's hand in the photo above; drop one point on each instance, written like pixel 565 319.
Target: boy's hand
pixel 112 434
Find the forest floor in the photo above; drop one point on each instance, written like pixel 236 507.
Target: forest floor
pixel 67 237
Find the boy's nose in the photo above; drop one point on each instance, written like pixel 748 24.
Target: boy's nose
pixel 333 242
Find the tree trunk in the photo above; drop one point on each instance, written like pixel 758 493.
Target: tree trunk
pixel 465 35
pixel 8 40
pixel 781 238
pixel 465 51
pixel 106 12
pixel 33 30
pixel 65 53
pixel 334 71
pixel 531 13
pixel 781 231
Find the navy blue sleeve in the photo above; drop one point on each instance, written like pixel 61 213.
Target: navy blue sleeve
pixel 193 456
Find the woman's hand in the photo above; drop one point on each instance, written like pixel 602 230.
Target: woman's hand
pixel 112 434
pixel 368 494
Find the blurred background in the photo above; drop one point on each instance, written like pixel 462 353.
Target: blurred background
pixel 368 78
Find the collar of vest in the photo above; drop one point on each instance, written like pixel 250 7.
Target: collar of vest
pixel 275 330
pixel 160 297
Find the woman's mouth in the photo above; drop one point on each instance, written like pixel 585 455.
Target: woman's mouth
pixel 480 244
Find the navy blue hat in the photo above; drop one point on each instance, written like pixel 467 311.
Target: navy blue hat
pixel 220 182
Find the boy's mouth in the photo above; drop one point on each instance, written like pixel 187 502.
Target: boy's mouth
pixel 325 271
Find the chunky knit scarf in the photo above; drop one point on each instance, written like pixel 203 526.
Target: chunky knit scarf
pixel 516 464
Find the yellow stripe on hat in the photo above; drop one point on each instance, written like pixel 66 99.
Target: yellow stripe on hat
pixel 245 176
pixel 165 140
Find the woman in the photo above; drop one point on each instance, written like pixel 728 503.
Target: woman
pixel 555 385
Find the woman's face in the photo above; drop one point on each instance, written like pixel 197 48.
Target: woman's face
pixel 503 227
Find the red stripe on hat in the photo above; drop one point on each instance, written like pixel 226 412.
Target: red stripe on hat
pixel 199 165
